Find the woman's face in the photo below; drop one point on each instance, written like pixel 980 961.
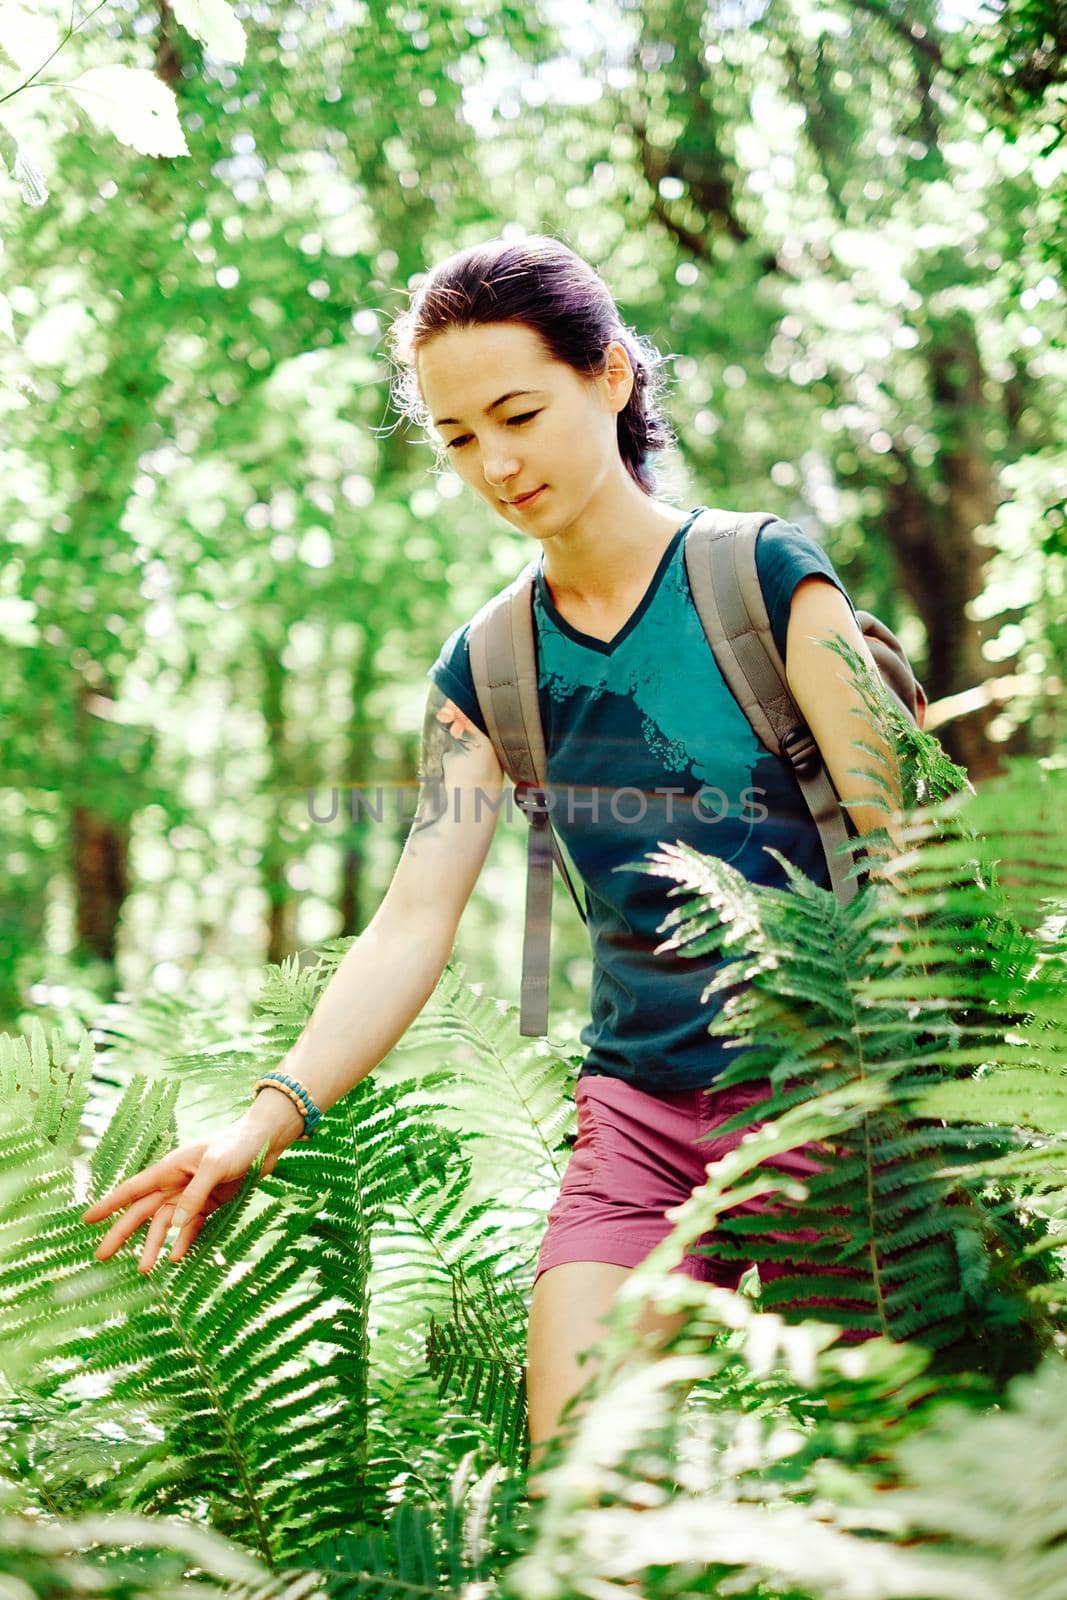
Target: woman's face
pixel 513 420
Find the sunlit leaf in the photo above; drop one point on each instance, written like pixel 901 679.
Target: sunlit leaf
pixel 214 24
pixel 135 106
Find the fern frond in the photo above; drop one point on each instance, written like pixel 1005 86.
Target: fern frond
pixel 47 1286
pixel 41 1087
pixel 424 1549
pixel 511 1090
pixel 480 1356
pixel 121 1556
pixel 647 1485
pixel 807 994
pixel 985 1490
pixel 235 1351
pixel 391 1215
pixel 928 774
pixel 242 1360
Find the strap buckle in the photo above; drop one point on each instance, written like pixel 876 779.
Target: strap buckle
pixel 533 799
pixel 799 745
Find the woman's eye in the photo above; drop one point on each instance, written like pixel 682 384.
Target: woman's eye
pixel 527 416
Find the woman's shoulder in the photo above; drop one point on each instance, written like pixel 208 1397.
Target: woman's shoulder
pixel 785 556
pixel 451 672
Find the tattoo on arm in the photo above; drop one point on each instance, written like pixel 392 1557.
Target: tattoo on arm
pixel 444 731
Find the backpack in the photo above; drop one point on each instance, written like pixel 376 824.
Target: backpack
pixel 720 556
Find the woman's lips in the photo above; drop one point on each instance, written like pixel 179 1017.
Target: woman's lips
pixel 528 500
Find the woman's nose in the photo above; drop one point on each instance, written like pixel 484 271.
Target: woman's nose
pixel 498 469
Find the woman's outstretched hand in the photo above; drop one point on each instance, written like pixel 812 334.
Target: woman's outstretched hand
pixel 181 1190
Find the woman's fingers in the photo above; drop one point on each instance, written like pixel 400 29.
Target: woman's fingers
pixel 156 1242
pixel 156 1236
pixel 177 1193
pixel 161 1175
pixel 188 1235
pixel 123 1226
pixel 159 1212
pixel 132 1189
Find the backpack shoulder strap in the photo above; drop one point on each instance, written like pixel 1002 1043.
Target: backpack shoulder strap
pixel 720 552
pixel 503 658
pixel 504 669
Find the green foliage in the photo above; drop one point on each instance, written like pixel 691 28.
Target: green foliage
pixel 856 272
pixel 333 1377
pixel 241 1380
pixel 130 102
pixel 125 1557
pixel 229 1356
pixel 884 1013
pixel 489 1067
pixel 932 1080
pixel 800 1469
pixel 479 1357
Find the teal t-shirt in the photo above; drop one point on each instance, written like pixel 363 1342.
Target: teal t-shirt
pixel 647 745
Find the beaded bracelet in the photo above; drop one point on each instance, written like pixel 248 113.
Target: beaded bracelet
pixel 290 1094
pixel 297 1094
pixel 299 1097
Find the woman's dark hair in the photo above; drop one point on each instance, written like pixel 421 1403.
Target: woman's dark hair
pixel 540 282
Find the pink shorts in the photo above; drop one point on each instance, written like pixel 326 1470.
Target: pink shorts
pixel 637 1155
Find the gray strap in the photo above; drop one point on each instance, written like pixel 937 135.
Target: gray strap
pixel 512 677
pixel 537 933
pixel 720 551
pixel 504 667
pixel 495 634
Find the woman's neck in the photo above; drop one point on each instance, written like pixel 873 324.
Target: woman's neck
pixel 615 548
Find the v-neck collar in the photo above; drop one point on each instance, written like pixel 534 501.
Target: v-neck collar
pixel 608 646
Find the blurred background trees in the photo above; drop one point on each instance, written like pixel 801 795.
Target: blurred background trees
pixel 227 564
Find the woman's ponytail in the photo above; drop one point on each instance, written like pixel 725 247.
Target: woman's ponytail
pixel 643 429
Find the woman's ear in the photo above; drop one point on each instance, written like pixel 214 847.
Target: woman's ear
pixel 619 376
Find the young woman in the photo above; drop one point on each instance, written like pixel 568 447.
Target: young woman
pixel 544 404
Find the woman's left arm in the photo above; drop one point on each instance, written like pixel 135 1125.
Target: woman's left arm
pixel 833 707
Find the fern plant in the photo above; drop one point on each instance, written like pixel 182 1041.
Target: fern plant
pixel 244 1384
pixel 446 1268
pixel 334 1375
pixel 927 988
pixel 801 1470
pixel 218 1354
pixel 505 1087
pixel 124 1557
pixel 513 1098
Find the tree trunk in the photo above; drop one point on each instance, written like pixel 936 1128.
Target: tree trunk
pixel 940 564
pixel 275 853
pixel 99 845
pixel 353 899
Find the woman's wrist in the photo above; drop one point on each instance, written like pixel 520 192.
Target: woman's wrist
pixel 273 1114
